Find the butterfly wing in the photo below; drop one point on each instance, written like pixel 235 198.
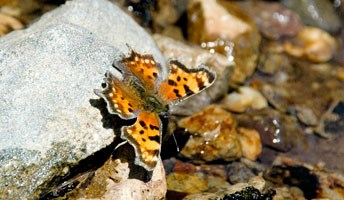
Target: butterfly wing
pixel 143 66
pixel 121 98
pixel 145 136
pixel 183 82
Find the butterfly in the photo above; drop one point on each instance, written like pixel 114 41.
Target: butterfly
pixel 142 93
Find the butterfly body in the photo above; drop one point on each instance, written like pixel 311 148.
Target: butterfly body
pixel 150 99
pixel 154 105
pixel 142 94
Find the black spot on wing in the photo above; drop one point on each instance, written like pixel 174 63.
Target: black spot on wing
pixel 143 124
pixel 171 82
pixel 187 90
pixel 153 127
pixel 155 138
pixel 142 132
pixel 176 91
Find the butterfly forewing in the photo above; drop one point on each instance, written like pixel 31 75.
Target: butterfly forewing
pixel 144 68
pixel 121 98
pixel 182 82
pixel 145 136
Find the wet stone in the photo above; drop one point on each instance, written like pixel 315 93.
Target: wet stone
pixel 238 172
pixel 301 177
pixel 216 170
pixel 169 164
pixel 314 181
pixel 238 191
pixel 215 136
pixel 288 193
pixel 336 126
pixel 332 122
pixel 273 62
pixel 339 56
pixel 250 142
pixel 312 44
pixel 306 115
pixel 285 89
pixel 182 167
pixel 246 98
pixel 227 30
pixel 318 13
pixel 277 96
pixel 274 20
pixel 167 13
pixel 214 174
pixel 186 183
pixel 216 20
pixel 276 130
pixel 216 183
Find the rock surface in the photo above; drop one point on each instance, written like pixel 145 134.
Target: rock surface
pixel 273 20
pixel 228 30
pixel 47 73
pixel 314 181
pixel 246 97
pixel 216 136
pixel 116 179
pixel 312 44
pixel 319 13
pixel 254 189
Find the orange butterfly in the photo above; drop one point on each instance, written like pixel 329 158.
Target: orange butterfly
pixel 143 95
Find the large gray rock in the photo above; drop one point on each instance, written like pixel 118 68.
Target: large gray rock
pixel 47 74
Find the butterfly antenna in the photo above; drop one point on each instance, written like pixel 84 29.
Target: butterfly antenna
pixel 129 47
pixel 175 141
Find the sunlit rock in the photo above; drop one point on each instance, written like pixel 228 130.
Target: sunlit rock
pixel 221 26
pixel 250 143
pixel 245 98
pixel 215 136
pixel 313 44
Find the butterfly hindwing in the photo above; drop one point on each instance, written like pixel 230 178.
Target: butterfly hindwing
pixel 183 82
pixel 121 98
pixel 145 136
